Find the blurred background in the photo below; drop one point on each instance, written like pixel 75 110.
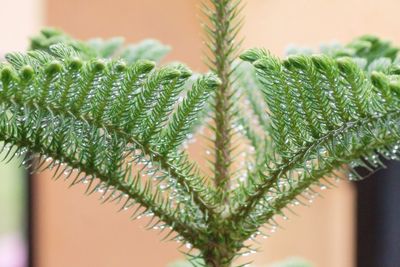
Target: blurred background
pixel 44 224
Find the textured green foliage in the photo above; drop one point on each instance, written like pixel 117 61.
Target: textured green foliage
pixel 324 112
pixel 369 52
pixel 368 47
pixel 102 114
pixel 100 117
pixel 98 48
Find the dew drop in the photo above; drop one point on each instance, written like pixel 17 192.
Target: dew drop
pixel 248 253
pixel 245 254
pixel 163 187
pixel 100 190
pixel 253 236
pixel 68 171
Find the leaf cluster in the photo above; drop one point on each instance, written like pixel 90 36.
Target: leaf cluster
pixel 114 126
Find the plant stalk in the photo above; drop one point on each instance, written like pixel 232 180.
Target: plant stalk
pixel 222 53
pixel 218 256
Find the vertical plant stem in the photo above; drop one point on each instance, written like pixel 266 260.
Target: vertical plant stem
pixel 219 256
pixel 222 30
pixel 222 40
pixel 217 262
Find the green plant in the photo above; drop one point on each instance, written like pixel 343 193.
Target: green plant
pixel 104 115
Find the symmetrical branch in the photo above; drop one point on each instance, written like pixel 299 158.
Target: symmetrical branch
pixel 354 112
pixel 96 156
pixel 91 93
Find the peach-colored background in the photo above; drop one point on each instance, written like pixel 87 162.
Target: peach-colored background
pixel 73 230
pixel 19 19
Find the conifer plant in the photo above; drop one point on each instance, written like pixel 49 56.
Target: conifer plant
pixel 103 114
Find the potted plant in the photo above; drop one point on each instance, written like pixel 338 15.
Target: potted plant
pixel 104 115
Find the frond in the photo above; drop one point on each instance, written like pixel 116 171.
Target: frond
pixel 253 116
pixel 99 48
pixel 147 49
pixel 368 47
pixel 325 112
pixel 187 112
pixel 51 36
pixel 247 82
pixel 367 51
pixel 99 117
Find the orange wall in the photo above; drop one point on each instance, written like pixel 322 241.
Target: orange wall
pixel 174 22
pixel 277 23
pixel 74 230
